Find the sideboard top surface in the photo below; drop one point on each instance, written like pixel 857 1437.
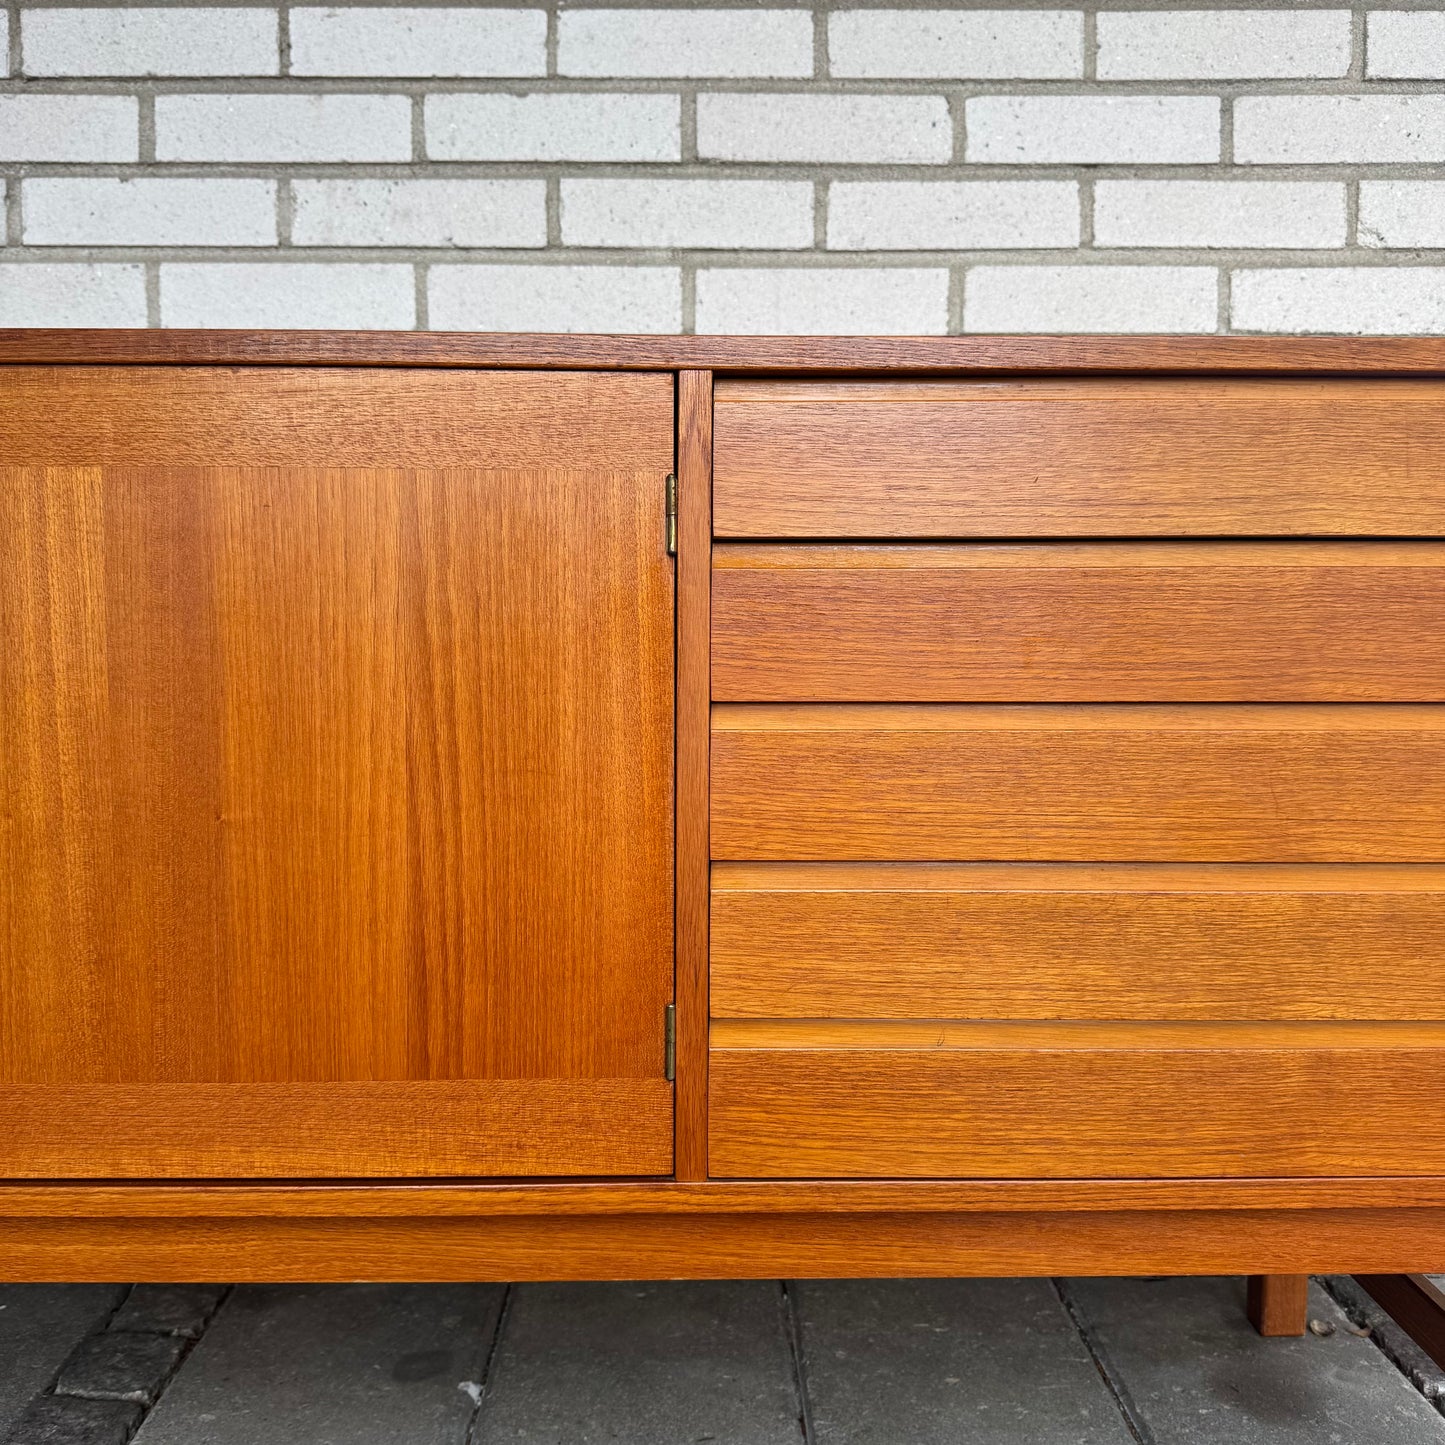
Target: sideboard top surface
pixel 738 355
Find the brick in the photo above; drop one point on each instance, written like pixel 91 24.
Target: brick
pixel 1092 129
pixel 150 41
pixel 1342 129
pixel 1223 44
pixel 283 128
pixel 704 213
pixel 120 1366
pixel 956 45
pixel 555 298
pixel 701 43
pixel 816 302
pixel 1091 298
pixel 341 295
pixel 838 128
pixel 553 127
pixel 1356 300
pixel 69 128
pixel 395 40
pixel 1405 45
pixel 951 215
pixel 59 1420
pixel 1402 213
pixel 46 294
pixel 169 1309
pixel 94 211
pixel 420 213
pixel 1219 213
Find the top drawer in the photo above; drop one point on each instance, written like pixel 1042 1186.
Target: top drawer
pixel 1090 457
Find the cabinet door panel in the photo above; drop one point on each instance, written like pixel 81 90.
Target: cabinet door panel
pixel 337 802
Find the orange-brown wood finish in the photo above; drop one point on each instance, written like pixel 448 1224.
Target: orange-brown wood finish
pixel 1078 941
pixel 694 661
pixel 1278 1304
pixel 1100 457
pixel 1062 622
pixel 1272 783
pixel 1014 1100
pixel 335 777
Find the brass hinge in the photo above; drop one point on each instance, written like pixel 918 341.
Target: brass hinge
pixel 671 516
pixel 669 1041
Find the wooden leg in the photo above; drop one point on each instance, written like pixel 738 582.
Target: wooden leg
pixel 1278 1304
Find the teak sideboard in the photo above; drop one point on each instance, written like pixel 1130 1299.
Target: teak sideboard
pixel 546 808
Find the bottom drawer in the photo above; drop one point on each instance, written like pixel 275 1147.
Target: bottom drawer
pixel 1074 1100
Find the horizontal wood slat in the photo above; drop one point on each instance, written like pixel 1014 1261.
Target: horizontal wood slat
pixel 932 1099
pixel 1145 622
pixel 335 417
pixel 341 1130
pixel 1045 941
pixel 1084 457
pixel 1271 783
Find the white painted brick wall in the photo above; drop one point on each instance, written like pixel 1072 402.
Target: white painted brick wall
pixel 774 165
pixel 419 213
pixel 283 128
pixel 952 215
pixel 1223 44
pixel 846 129
pixel 957 44
pixel 1093 129
pixel 101 211
pixel 398 41
pixel 151 41
pixel 1352 300
pixel 582 127
pixel 1334 129
pixel 702 213
pixel 646 299
pixel 1220 214
pixel 699 43
pixel 852 302
pixel 1406 45
pixel 1403 213
pixel 368 297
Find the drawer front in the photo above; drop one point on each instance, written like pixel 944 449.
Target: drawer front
pixel 1016 1101
pixel 1081 458
pixel 1077 941
pixel 1328 783
pixel 1068 622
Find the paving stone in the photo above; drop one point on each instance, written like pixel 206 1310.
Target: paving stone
pixel 1198 1373
pixel 169 1309
pixel 120 1366
pixel 39 1325
pixel 949 1362
pixel 332 1365
pixel 63 1420
pixel 648 1364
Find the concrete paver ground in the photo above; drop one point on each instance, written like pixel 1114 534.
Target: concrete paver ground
pixel 826 1362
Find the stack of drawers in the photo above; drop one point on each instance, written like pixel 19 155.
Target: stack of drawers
pixel 1078 776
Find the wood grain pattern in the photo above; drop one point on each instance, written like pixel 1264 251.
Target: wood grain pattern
pixel 1101 457
pixel 739 355
pixel 1278 1304
pixel 1062 622
pixel 694 662
pixel 1416 1304
pixel 1271 783
pixel 336 1129
pixel 334 417
pixel 1002 1101
pixel 423 1199
pixel 1047 941
pixel 335 776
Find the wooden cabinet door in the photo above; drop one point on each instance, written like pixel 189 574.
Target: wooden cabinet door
pixel 336 798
